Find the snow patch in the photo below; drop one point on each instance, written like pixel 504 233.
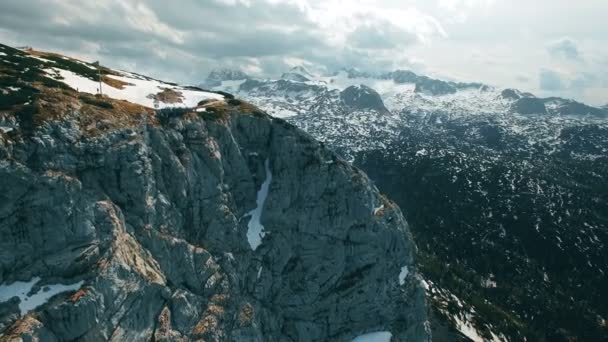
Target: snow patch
pixel 378 210
pixel 422 152
pixel 467 329
pixel 380 336
pixel 30 302
pixel 255 232
pixel 5 129
pixel 403 274
pixel 137 90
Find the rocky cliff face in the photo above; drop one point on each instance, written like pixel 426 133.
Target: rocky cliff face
pixel 222 224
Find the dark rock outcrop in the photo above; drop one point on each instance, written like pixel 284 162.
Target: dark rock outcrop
pixel 156 221
pixel 529 105
pixel 362 97
pixel 401 76
pixel 430 86
pixel 570 107
pixel 510 94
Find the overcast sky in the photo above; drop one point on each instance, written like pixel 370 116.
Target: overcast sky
pixel 549 47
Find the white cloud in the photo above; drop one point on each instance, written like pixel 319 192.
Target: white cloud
pixel 564 47
pixel 503 43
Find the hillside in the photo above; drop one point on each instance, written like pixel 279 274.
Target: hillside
pixel 505 192
pixel 204 219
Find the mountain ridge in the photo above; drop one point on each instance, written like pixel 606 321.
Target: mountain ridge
pixel 505 193
pixel 424 84
pixel 172 213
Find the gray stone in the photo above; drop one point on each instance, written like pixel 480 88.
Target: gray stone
pixel 362 97
pixel 153 220
pixel 529 105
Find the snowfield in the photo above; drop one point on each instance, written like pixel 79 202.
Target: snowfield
pixel 29 302
pixel 138 89
pixel 255 232
pixel 380 336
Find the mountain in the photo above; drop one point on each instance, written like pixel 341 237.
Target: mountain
pixel 203 219
pixel 506 193
pixel 216 77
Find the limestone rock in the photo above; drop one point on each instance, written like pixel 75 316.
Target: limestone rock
pixel 153 220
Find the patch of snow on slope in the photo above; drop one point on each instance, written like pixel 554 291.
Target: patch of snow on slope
pixel 30 302
pixel 255 232
pixel 137 90
pixel 403 274
pixel 380 336
pixel 468 330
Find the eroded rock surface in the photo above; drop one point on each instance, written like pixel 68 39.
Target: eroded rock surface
pixel 152 219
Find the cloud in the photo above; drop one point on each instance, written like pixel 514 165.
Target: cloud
pixel 565 48
pixel 550 80
pixel 183 40
pixel 381 35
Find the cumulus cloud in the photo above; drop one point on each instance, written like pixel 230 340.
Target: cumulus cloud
pixel 564 48
pixel 381 35
pixel 183 40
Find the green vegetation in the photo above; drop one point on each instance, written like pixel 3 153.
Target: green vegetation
pixel 10 98
pixel 74 66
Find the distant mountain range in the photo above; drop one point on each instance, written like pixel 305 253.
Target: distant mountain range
pixel 506 193
pixel 398 88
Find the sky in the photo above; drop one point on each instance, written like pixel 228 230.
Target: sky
pixel 548 47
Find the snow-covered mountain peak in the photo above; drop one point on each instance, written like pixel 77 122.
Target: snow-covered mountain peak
pixel 302 71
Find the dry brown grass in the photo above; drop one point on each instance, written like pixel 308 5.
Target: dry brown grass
pixel 216 110
pixel 78 295
pixel 246 315
pixel 56 104
pixel 204 326
pixel 23 326
pixel 112 82
pixel 168 96
pixel 44 54
pixel 219 298
pixel 246 107
pixel 216 310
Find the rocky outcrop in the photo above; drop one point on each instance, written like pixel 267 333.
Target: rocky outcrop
pixel 216 77
pixel 529 105
pixel 401 76
pixel 153 219
pixel 362 97
pixel 511 94
pixel 570 107
pixel 433 87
